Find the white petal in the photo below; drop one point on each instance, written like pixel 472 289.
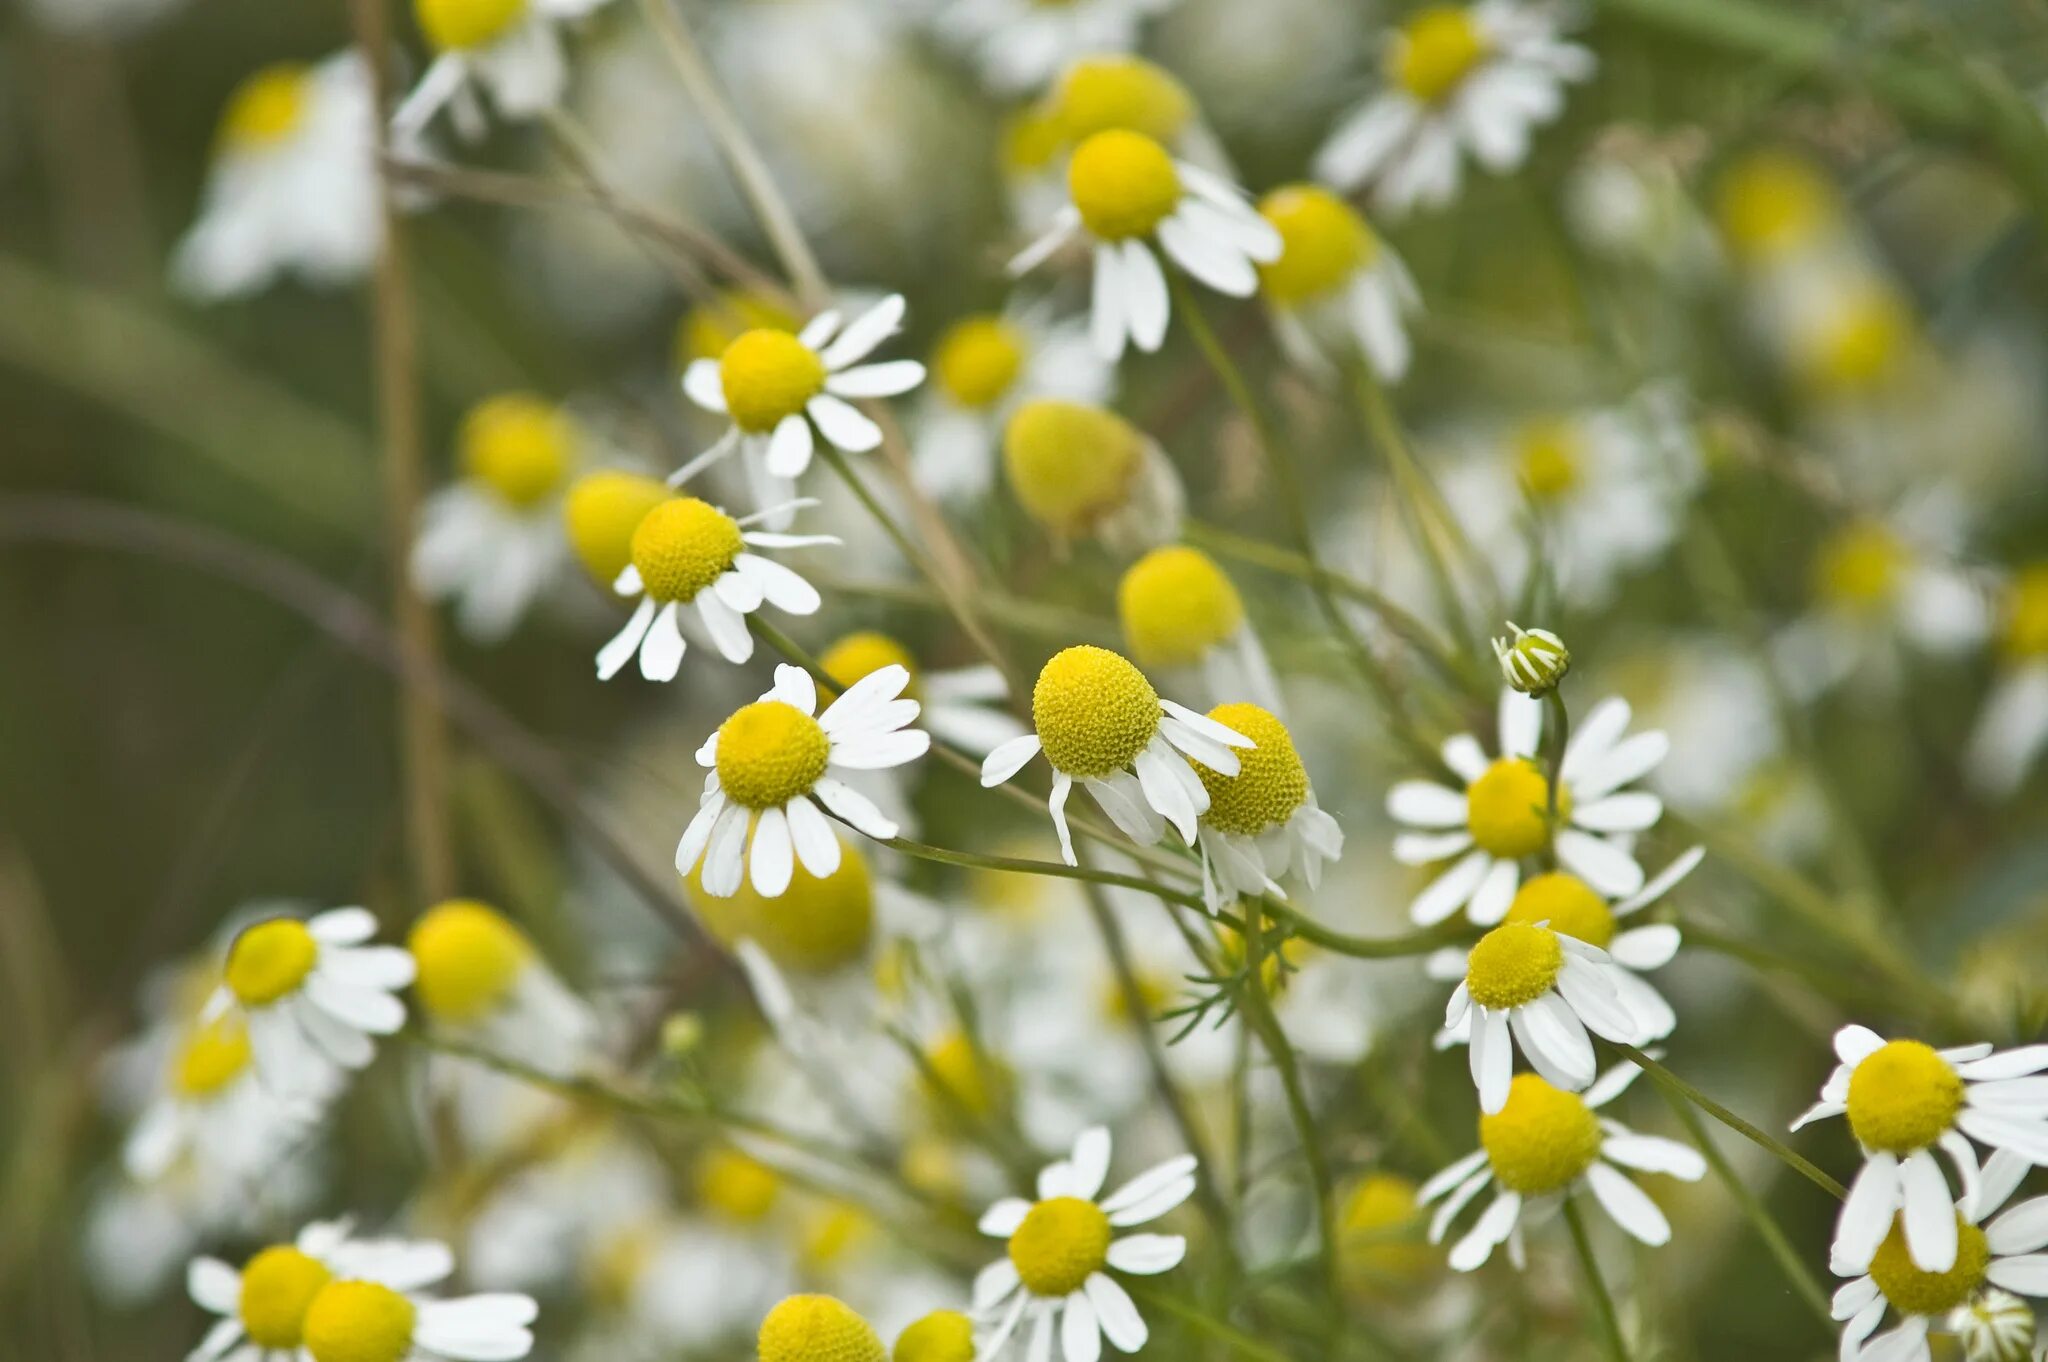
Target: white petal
pixel 1145 1184
pixel 1661 883
pixel 213 1285
pixel 1605 867
pixel 856 808
pixel 1854 1044
pixel 1121 1323
pixel 661 652
pixel 1492 1059
pixel 1106 303
pixel 624 644
pixel 1145 1254
pixel 1648 947
pixel 1008 759
pixel 1001 1220
pixel 842 425
pixel 994 1283
pixel 703 385
pixel 1080 1334
pixel 817 846
pixel 1628 1205
pixel 771 858
pixel 1206 255
pixel 890 379
pixel 1451 890
pixel 1630 812
pixel 1495 1223
pixel 1490 901
pixel 727 627
pixel 1425 804
pixel 1867 1212
pixel 794 687
pixel 789 448
pixel 1654 1155
pixel 1144 296
pixel 2026 1275
pixel 1090 1162
pixel 865 332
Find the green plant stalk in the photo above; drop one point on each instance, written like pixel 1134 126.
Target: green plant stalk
pixel 1596 1285
pixel 1672 1083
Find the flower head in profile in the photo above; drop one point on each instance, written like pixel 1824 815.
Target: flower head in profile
pixel 1905 1099
pixel 771 764
pixel 1338 289
pixel 983 368
pixel 600 512
pixel 1079 469
pixel 941 1336
pixel 511 49
pixel 1183 619
pixel 1262 823
pixel 478 975
pixel 1098 721
pixel 1545 1144
pixel 1055 1279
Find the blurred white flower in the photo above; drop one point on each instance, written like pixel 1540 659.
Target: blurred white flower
pixel 1337 288
pixel 1018 45
pixel 510 48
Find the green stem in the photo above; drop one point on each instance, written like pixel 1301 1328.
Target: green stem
pixel 1556 740
pixel 1051 869
pixel 1672 1083
pixel 1239 1342
pixel 1596 1285
pixel 1365 947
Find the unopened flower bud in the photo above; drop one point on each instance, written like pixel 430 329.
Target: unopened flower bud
pixel 681 1034
pixel 1533 661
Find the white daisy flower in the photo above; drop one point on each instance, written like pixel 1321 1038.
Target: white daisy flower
pixel 479 977
pixel 962 705
pixel 687 552
pixel 493 540
pixel 1061 1244
pixel 1502 815
pixel 2012 728
pixel 293 185
pixel 982 368
pixel 776 387
pixel 771 758
pixel 1338 288
pixel 510 48
pixel 1264 822
pixel 212 1107
pixel 1078 469
pixel 1477 78
pixel 1098 721
pixel 1019 45
pixel 1973 1298
pixel 1126 192
pixel 1183 620
pixel 311 995
pixel 1904 1100
pixel 1543 1145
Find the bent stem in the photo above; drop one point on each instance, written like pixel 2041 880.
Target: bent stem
pixel 1672 1083
pixel 1596 1285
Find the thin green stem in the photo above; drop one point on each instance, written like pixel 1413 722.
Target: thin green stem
pixel 1420 942
pixel 1050 869
pixel 1239 1342
pixel 1672 1083
pixel 1555 741
pixel 1596 1285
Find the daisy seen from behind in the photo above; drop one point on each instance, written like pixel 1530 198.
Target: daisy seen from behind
pixel 1905 1099
pixel 480 978
pixel 983 366
pixel 1081 470
pixel 1099 721
pixel 1262 823
pixel 772 764
pixel 1054 1278
pixel 510 48
pixel 1183 620
pixel 1338 288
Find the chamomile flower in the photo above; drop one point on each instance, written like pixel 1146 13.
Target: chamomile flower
pixel 1502 816
pixel 293 186
pixel 1079 469
pixel 1264 822
pixel 816 1328
pixel 1018 45
pixel 377 1312
pixel 1098 721
pixel 1055 1275
pixel 479 977
pixel 687 552
pixel 1905 1099
pixel 940 1336
pixel 1183 619
pixel 1124 92
pixel 1129 195
pixel 1543 1145
pixel 1973 1298
pixel 776 387
pixel 1478 78
pixel 311 995
pixel 492 540
pixel 983 366
pixel 211 1106
pixel 1775 208
pixel 601 511
pixel 961 705
pixel 2013 727
pixel 772 759
pixel 510 48
pixel 1337 289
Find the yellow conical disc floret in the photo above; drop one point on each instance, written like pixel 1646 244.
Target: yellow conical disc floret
pixel 1914 1292
pixel 769 753
pixel 1270 783
pixel 518 446
pixel 1323 243
pixel 266 108
pixel 1550 455
pixel 2026 613
pixel 1099 94
pixel 1567 903
pixel 766 375
pixel 1542 1140
pixel 1175 605
pixel 707 329
pixel 817 1329
pixel 1770 203
pixel 978 359
pixel 277 1286
pixel 1903 1097
pixel 214 1055
pixel 740 1188
pixel 359 1322
pixel 1512 965
pixel 601 512
pixel 1094 711
pixel 469 958
pixel 1062 1242
pixel 458 25
pixel 941 1336
pixel 1507 808
pixel 1070 464
pixel 1123 184
pixel 270 960
pixel 816 926
pixel 1859 566
pixel 1436 50
pixel 682 546
pixel 863 653
pixel 1380 1245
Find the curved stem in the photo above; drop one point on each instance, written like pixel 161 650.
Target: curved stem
pixel 1051 869
pixel 1419 942
pixel 1672 1083
pixel 1596 1285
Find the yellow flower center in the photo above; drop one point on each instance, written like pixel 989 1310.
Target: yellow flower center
pixel 1770 203
pixel 2026 613
pixel 1858 567
pixel 1861 339
pixel 1568 904
pixel 468 958
pixel 769 753
pixel 266 108
pixel 1030 140
pixel 832 1237
pixel 615 1265
pixel 277 1286
pixel 1437 49
pixel 1270 783
pixel 767 375
pixel 456 25
pixel 1507 808
pixel 359 1322
pixel 1903 1097
pixel 1098 94
pixel 1175 605
pixel 1542 1139
pixel 1122 183
pixel 1093 710
pixel 682 546
pixel 1380 1242
pixel 739 1188
pixel 861 654
pixel 1914 1292
pixel 815 927
pixel 706 330
pixel 817 1329
pixel 1548 459
pixel 1070 464
pixel 941 1336
pixel 1513 964
pixel 518 446
pixel 978 359
pixel 214 1055
pixel 601 512
pixel 1060 1243
pixel 1323 242
pixel 269 960
pixel 966 1078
